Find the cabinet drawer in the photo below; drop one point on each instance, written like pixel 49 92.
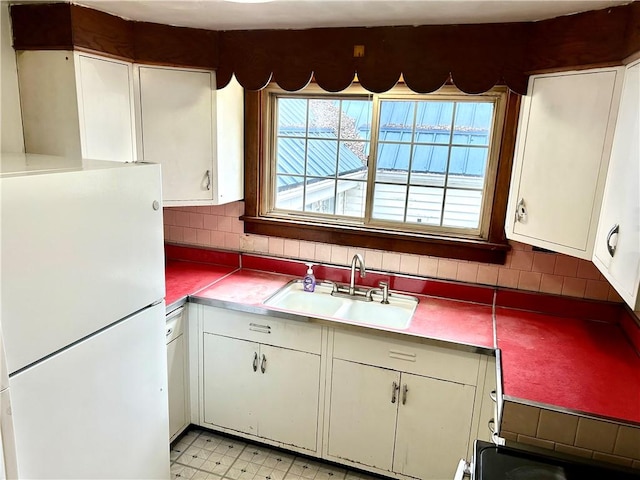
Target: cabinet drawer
pixel 436 362
pixel 175 324
pixel 262 329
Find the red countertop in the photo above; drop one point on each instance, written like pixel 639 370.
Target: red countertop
pixel 580 365
pixel 561 362
pixel 185 278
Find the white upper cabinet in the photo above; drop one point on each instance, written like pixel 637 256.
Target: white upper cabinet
pixel 76 104
pixel 194 131
pixel 617 249
pixel 564 140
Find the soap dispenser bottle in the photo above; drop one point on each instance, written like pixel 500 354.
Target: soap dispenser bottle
pixel 309 280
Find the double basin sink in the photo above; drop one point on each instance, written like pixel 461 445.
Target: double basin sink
pixel 324 301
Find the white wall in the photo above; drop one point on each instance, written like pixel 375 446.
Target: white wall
pixel 11 134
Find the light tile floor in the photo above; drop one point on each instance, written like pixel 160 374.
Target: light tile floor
pixel 202 455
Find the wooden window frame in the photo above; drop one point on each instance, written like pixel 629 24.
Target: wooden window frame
pixel 493 249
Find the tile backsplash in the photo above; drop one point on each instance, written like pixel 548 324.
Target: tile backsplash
pixel 220 227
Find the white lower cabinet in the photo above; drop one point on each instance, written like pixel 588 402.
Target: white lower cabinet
pixel 379 403
pixel 362 420
pixel 399 422
pixel 257 380
pixel 403 409
pixel 434 423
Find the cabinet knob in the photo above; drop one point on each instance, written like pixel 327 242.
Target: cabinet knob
pixel 612 242
pixel 521 211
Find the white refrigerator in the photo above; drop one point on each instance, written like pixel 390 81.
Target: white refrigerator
pixel 83 316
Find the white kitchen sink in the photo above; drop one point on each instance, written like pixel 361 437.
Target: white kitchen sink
pixel 396 314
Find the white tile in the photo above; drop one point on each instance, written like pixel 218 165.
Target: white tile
pixel 279 461
pixel 208 441
pixel 194 456
pixel 268 473
pixel 182 472
pixel 241 470
pixel 200 475
pixel 218 463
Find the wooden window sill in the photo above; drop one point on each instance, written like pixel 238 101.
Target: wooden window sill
pixel 420 244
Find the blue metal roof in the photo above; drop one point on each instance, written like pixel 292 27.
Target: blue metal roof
pixel 433 136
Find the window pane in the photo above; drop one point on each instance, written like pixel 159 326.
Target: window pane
pixel 356 119
pixel 388 202
pixel 393 162
pixel 353 157
pixel 467 167
pixel 462 208
pixel 429 165
pixel 396 121
pixel 322 157
pixel 473 123
pixel 292 116
pixel 320 195
pixel 289 192
pixel 324 116
pixel 290 156
pixel 351 198
pixel 425 205
pixel 433 122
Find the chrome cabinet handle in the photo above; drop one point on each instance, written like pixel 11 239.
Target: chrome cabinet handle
pixel 611 246
pixel 394 392
pixel 405 389
pixel 492 426
pixel 493 395
pixel 208 179
pixel 255 361
pixel 521 211
pixel 263 363
pixel 169 331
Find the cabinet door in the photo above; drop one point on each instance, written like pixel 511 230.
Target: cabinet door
pixel 177 386
pixel 363 412
pixel 105 108
pixel 563 148
pixel 177 129
pixel 288 396
pixel 230 392
pixel 434 423
pixel 621 204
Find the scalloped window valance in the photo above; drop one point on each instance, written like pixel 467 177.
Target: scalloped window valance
pixel 473 57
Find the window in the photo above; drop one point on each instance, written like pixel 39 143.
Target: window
pixel 399 166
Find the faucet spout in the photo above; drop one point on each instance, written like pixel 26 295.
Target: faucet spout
pixel 355 261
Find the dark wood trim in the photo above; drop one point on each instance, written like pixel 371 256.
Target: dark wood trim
pixel 42 26
pixel 503 175
pixel 476 57
pixel 252 151
pixel 358 236
pixel 595 38
pixel 100 32
pixel 175 46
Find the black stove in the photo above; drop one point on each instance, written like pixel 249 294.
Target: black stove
pixel 511 462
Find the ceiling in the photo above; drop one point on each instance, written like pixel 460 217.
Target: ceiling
pixel 297 14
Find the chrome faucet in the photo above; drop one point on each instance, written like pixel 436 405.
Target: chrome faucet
pixel 357 258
